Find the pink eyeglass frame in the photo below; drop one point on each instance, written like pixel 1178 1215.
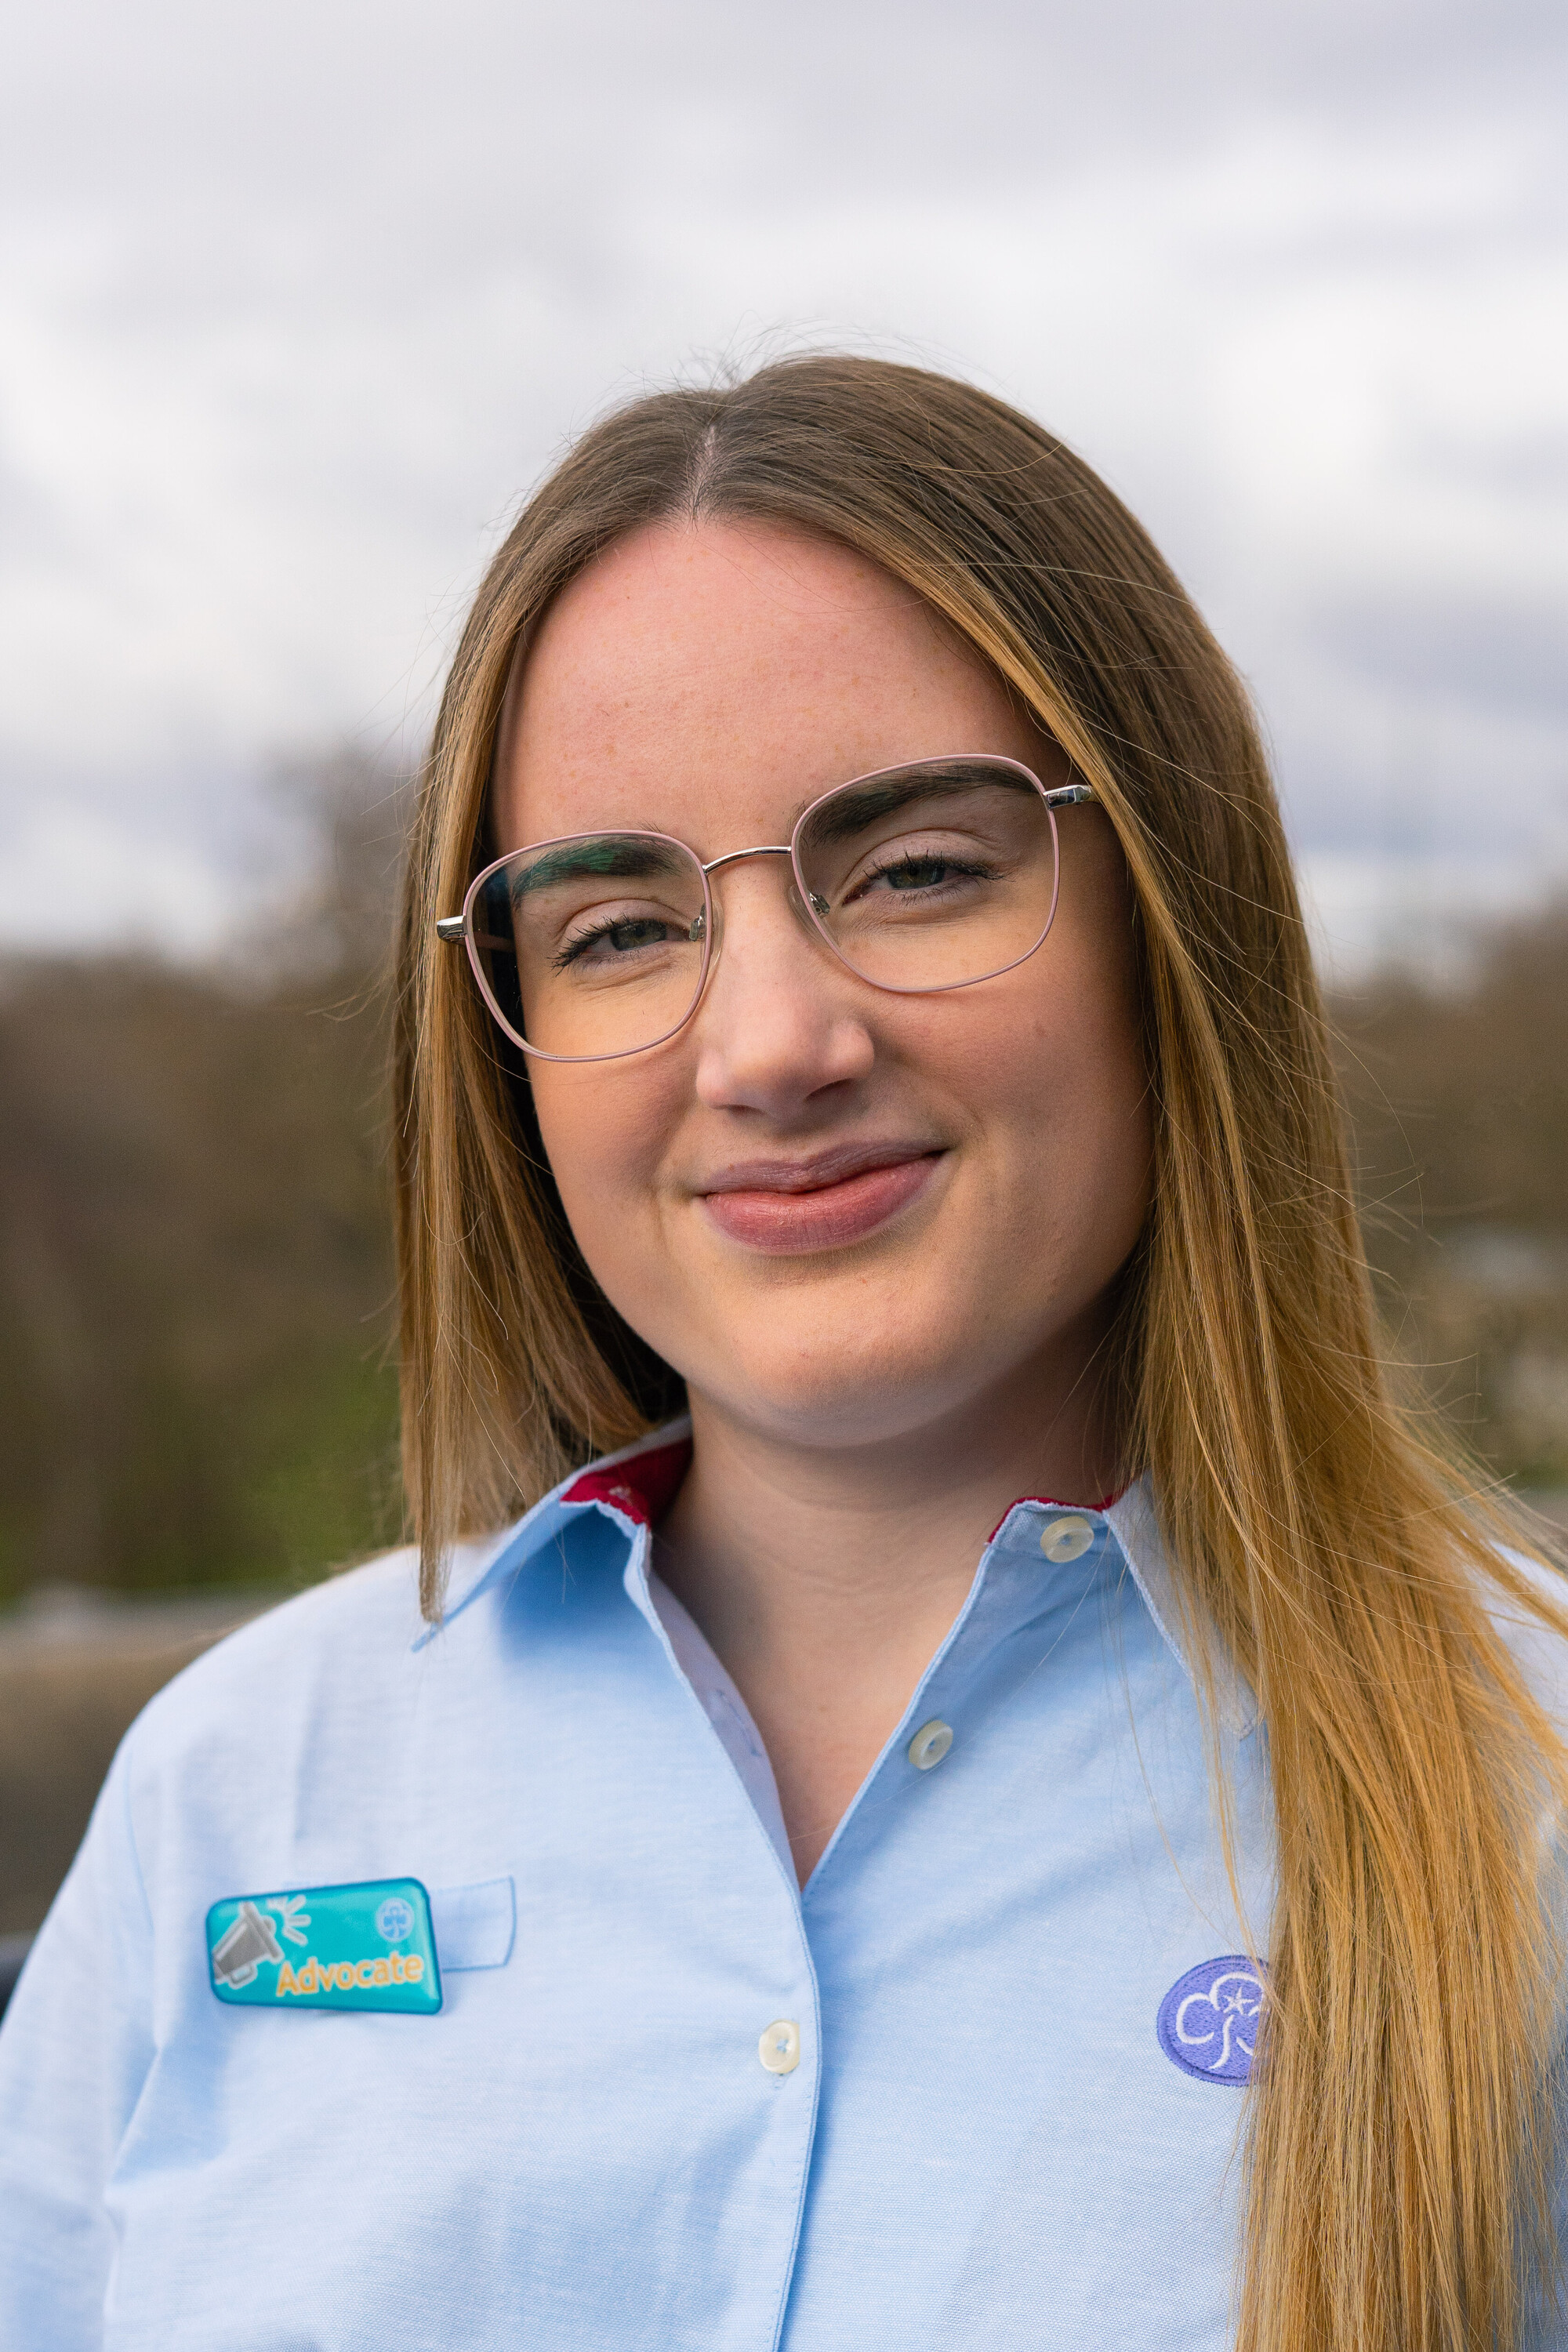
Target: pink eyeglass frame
pixel 450 928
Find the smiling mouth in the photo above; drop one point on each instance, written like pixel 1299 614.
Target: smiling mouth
pixel 791 1210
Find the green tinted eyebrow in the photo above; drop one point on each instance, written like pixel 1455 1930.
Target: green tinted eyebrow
pixel 859 806
pixel 613 855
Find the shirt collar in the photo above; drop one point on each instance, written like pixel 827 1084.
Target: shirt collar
pixel 634 1486
pixel 1132 1521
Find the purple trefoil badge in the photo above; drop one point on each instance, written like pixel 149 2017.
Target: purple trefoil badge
pixel 1209 2021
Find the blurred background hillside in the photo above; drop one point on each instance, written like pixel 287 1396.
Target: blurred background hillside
pixel 195 1280
pixel 1457 1091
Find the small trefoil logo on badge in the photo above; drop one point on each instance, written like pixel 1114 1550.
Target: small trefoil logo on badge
pixel 1209 2021
pixel 394 1920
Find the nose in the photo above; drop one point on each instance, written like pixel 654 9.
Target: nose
pixel 782 1024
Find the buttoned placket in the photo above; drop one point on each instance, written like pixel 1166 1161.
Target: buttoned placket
pixel 1043 1559
pixel 1015 1583
pixel 788 2050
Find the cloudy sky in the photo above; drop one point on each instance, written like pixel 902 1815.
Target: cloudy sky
pixel 296 300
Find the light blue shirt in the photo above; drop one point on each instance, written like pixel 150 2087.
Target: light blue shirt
pixel 988 2138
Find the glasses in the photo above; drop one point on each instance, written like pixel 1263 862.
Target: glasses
pixel 920 878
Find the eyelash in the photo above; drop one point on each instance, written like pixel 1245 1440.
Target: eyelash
pixel 577 948
pixel 955 866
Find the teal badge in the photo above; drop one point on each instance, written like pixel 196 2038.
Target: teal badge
pixel 364 1947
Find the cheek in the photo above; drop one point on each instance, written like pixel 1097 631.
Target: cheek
pixel 1056 1055
pixel 604 1137
pixel 607 1144
pixel 1061 1080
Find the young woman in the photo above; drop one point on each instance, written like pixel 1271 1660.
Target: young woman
pixel 1017 1805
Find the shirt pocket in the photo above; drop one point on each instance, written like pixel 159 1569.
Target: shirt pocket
pixel 474 1926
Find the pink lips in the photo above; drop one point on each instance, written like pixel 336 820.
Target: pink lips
pixel 790 1211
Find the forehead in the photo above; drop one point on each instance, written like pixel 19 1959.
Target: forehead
pixel 707 680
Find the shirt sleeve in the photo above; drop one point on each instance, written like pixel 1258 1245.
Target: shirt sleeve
pixel 75 2051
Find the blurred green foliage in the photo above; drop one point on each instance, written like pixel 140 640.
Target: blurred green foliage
pixel 194 1282
pixel 1459 1097
pixel 195 1274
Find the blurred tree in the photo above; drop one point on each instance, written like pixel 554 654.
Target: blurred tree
pixel 196 1279
pixel 1460 1101
pixel 336 925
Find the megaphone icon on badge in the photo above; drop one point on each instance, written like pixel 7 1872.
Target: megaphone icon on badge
pixel 240 1951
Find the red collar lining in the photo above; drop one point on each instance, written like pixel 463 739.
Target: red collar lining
pixel 642 1488
pixel 1053 1503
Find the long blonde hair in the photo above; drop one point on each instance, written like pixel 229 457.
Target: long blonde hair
pixel 1397 2134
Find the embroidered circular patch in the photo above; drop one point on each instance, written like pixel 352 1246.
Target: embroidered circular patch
pixel 1208 2020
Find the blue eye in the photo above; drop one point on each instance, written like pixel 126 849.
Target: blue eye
pixel 932 872
pixel 619 939
pixel 922 873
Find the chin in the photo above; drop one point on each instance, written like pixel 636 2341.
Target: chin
pixel 816 1399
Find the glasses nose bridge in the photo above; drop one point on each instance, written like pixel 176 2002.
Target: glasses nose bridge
pixel 733 856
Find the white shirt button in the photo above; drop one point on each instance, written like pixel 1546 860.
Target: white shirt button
pixel 1065 1539
pixel 930 1744
pixel 779 2048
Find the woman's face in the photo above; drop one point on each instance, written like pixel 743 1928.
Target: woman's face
pixel 845 1216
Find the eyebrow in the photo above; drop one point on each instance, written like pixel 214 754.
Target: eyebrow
pixel 616 854
pixel 861 805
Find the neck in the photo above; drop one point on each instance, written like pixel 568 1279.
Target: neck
pixel 825 1577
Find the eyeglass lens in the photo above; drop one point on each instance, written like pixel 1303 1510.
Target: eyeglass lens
pixel 923 877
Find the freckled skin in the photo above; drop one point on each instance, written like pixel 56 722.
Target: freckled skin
pixel 878 1403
